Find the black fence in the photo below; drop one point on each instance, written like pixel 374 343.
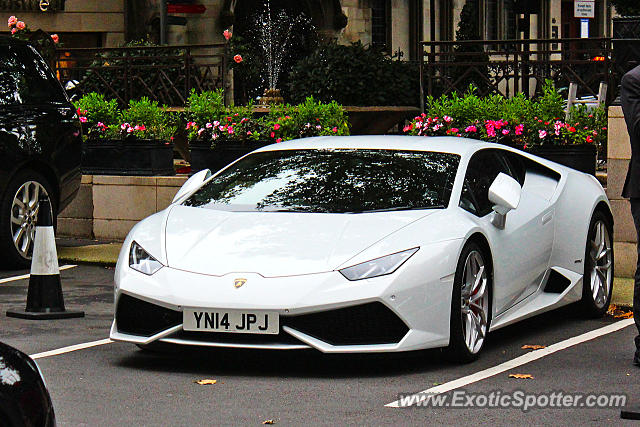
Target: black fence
pixel 165 74
pixel 508 67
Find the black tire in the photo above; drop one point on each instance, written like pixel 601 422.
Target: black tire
pixel 11 257
pixel 590 306
pixel 458 349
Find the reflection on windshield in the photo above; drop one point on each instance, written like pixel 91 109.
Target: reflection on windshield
pixel 336 181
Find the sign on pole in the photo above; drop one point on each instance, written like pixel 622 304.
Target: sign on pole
pixel 584 8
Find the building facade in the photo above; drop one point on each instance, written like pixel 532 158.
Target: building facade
pixel 395 25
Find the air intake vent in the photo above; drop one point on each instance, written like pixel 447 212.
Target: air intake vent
pixel 137 317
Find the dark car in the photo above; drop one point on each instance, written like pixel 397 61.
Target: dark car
pixel 40 147
pixel 24 399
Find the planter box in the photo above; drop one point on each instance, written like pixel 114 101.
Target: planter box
pixel 580 157
pixel 205 157
pixel 131 157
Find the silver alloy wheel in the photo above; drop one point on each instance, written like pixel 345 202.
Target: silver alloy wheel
pixel 600 264
pixel 474 302
pixel 24 214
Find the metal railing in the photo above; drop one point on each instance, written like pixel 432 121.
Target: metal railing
pixel 166 74
pixel 508 67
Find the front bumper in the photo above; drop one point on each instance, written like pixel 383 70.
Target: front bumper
pixel 408 310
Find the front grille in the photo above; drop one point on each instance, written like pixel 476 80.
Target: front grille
pixel 371 323
pixel 230 338
pixel 137 317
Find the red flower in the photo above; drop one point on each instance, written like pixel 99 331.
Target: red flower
pixel 589 139
pixel 227 34
pixel 276 126
pixel 55 38
pixel 238 59
pixel 279 140
pixel 273 135
pixel 572 129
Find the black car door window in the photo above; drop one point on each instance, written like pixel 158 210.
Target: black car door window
pixel 10 78
pixel 37 85
pixel 483 168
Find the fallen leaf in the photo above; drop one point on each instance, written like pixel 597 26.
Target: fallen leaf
pixel 619 313
pixel 205 382
pixel 532 347
pixel 269 422
pixel 521 376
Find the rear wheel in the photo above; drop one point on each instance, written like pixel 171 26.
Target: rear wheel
pixel 470 304
pixel 18 215
pixel 598 267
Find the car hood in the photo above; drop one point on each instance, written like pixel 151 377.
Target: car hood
pixel 273 244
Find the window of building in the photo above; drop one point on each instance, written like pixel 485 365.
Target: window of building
pixel 381 24
pixel 500 19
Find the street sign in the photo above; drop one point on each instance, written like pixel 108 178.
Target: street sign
pixel 584 8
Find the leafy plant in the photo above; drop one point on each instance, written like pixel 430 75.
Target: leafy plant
pixel 96 109
pixel 205 107
pixel 516 121
pixel 354 75
pixel 145 119
pixel 627 7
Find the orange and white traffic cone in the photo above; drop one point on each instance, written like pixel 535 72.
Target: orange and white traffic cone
pixel 44 297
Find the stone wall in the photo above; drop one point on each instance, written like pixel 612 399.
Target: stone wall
pixel 107 207
pixel 80 16
pixel 619 153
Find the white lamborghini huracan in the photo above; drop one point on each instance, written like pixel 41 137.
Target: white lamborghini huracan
pixel 365 244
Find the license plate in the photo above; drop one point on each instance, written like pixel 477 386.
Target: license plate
pixel 234 321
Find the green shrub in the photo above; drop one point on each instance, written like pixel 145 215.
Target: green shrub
pixel 627 7
pixel 516 121
pixel 205 107
pixel 354 75
pixel 145 119
pixel 96 109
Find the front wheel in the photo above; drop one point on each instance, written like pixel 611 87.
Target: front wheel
pixel 18 217
pixel 470 304
pixel 598 267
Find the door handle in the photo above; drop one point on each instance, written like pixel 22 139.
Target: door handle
pixel 547 217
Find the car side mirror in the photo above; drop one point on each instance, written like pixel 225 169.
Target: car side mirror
pixel 192 183
pixel 505 194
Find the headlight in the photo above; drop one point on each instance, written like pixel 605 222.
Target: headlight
pixel 141 261
pixel 379 266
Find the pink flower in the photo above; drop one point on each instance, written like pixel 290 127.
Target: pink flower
pixel 454 130
pixel 20 25
pixel 279 140
pixel 589 139
pixel 519 129
pixel 276 126
pixel 12 21
pixel 238 59
pixel 335 129
pixel 216 123
pixel 13 31
pixel 208 125
pixel 200 131
pixel 505 131
pixel 55 38
pixel 230 131
pixel 272 135
pixel 471 128
pixel 227 34
pixel 542 134
pixel 447 119
pixel 249 133
pixel 191 125
pixel 407 128
pixel 83 119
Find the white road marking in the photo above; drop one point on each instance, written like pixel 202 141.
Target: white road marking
pixel 521 360
pixel 26 276
pixel 70 348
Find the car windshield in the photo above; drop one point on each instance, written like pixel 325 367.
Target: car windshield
pixel 332 181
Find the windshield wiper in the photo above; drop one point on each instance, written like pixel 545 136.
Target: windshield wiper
pixel 398 208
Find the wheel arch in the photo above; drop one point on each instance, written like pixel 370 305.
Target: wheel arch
pixel 603 207
pixel 482 241
pixel 45 170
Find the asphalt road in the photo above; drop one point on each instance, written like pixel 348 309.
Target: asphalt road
pixel 119 384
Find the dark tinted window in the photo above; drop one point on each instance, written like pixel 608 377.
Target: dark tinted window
pixel 337 181
pixel 483 169
pixel 26 79
pixel 10 78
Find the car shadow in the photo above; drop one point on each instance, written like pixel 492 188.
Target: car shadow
pixel 501 346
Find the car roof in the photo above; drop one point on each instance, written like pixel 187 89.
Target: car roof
pixel 443 144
